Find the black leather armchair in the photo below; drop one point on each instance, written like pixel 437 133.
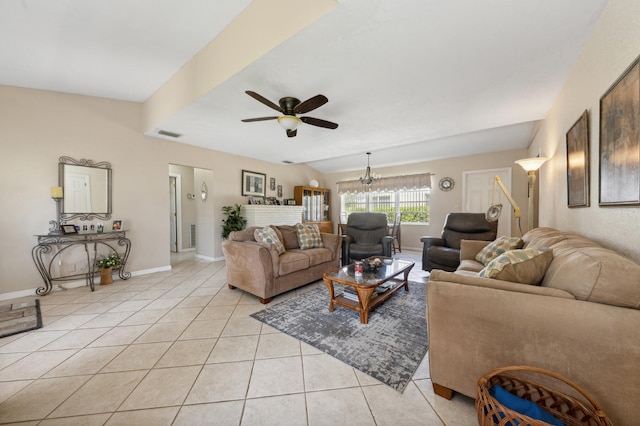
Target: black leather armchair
pixel 444 252
pixel 366 234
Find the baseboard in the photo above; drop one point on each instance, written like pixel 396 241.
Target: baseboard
pixel 203 257
pixel 77 283
pixel 151 271
pixel 56 287
pixel 17 294
pixel 209 258
pixel 412 248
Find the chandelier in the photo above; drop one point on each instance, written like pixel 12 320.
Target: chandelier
pixel 368 178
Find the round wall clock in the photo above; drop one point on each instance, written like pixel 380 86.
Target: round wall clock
pixel 446 184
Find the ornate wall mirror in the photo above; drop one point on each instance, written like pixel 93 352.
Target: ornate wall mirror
pixel 204 192
pixel 86 188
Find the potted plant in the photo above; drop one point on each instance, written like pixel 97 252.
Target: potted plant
pixel 234 220
pixel 106 265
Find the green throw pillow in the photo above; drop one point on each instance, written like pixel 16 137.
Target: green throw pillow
pixel 497 247
pixel 309 236
pixel 526 266
pixel 268 235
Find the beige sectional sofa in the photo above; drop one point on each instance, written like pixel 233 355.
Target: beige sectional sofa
pixel 582 321
pixel 259 269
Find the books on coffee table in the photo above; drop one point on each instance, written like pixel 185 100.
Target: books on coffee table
pixel 349 293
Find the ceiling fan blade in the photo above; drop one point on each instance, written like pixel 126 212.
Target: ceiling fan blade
pixel 310 104
pixel 292 133
pixel 249 120
pixel 263 100
pixel 318 122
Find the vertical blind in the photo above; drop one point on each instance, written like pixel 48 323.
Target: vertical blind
pixel 387 184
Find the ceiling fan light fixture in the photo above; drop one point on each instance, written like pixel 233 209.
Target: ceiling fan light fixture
pixel 289 122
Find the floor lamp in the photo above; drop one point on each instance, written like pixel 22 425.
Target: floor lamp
pixel 531 165
pixel 495 209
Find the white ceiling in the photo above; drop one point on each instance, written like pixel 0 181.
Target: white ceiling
pixel 409 81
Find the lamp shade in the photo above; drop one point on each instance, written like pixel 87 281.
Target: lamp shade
pixel 289 122
pixel 531 164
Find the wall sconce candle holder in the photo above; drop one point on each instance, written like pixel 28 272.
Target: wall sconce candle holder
pixel 55 227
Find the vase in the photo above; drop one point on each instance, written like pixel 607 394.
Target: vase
pixel 105 276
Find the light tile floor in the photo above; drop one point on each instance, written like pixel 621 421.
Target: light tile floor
pixel 179 348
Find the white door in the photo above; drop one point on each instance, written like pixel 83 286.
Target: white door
pixel 479 192
pixel 77 193
pixel 173 241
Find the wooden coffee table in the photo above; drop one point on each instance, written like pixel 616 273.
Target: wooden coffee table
pixel 368 298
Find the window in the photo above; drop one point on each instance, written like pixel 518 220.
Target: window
pixel 412 204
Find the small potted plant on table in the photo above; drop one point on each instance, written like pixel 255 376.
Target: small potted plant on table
pixel 106 265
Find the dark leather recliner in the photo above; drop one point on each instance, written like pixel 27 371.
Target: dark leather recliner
pixel 366 234
pixel 444 252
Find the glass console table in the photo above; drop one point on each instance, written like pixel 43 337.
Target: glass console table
pixel 46 258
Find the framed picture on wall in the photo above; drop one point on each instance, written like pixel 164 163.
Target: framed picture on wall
pixel 578 163
pixel 280 191
pixel 620 140
pixel 253 183
pixel 272 184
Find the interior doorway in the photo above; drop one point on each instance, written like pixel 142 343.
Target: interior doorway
pixel 191 215
pixel 479 193
pixel 174 212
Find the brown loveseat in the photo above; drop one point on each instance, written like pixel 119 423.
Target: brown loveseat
pixel 257 268
pixel 582 321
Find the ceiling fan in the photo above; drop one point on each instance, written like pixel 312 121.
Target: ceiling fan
pixel 289 107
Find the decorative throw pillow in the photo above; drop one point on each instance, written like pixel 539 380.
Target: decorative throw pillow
pixel 497 247
pixel 268 235
pixel 309 236
pixel 526 266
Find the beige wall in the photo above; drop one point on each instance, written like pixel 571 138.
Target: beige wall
pixel 39 126
pixel 442 202
pixel 613 45
pixel 206 226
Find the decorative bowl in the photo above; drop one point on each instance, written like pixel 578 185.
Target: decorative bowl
pixel 371 265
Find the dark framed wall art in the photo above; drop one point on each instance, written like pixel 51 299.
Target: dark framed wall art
pixel 578 163
pixel 253 184
pixel 620 140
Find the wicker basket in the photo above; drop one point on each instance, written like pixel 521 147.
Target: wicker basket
pixel 565 408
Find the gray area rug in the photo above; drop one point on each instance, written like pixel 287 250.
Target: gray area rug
pixel 19 317
pixel 389 348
